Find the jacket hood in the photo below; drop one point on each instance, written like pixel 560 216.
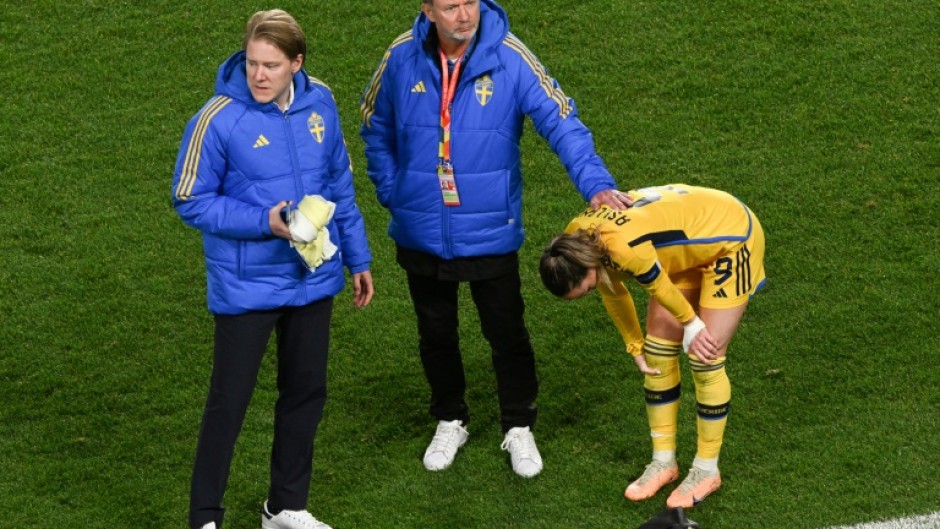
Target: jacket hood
pixel 232 81
pixel 494 26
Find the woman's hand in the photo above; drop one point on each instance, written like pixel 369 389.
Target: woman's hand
pixel 362 288
pixel 698 342
pixel 278 227
pixel 644 368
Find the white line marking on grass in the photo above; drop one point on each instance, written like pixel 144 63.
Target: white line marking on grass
pixel 927 521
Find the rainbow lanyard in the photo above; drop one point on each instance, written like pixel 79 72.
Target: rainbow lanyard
pixel 445 169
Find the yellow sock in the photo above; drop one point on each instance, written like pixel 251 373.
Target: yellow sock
pixel 662 392
pixel 713 397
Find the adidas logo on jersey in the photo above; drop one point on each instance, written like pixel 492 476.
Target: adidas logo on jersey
pixel 419 88
pixel 720 294
pixel 261 142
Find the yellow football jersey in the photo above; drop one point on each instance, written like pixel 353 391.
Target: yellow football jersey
pixel 677 236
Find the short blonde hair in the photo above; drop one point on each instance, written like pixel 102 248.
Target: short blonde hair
pixel 280 29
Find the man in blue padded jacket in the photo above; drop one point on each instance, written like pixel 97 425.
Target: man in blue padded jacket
pixel 442 119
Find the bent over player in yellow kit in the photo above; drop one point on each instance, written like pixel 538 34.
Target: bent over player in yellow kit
pixel 699 253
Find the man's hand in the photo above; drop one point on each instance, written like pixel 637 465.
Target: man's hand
pixel 611 198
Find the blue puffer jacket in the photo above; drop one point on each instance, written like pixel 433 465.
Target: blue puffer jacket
pixel 500 83
pixel 238 159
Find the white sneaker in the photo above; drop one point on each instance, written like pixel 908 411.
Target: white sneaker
pixel 525 457
pixel 290 520
pixel 450 436
pixel 210 525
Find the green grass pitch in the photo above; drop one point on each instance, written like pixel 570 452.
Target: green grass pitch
pixel 823 116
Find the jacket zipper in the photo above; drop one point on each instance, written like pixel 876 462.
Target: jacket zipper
pixel 298 181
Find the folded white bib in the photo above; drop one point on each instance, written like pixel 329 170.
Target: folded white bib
pixel 309 234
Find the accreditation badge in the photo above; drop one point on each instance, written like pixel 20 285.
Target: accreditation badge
pixel 445 175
